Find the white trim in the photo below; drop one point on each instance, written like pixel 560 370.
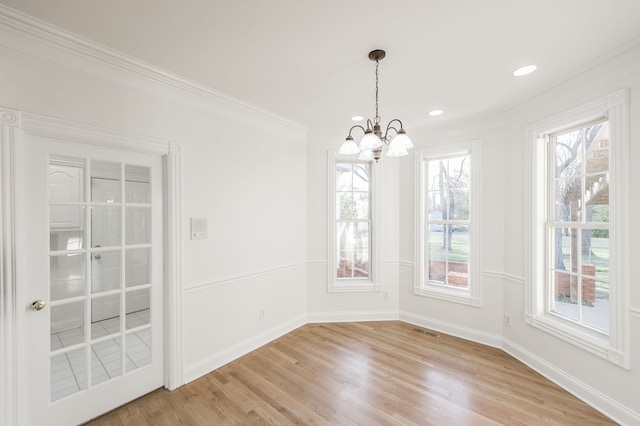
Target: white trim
pixel 616 348
pixel 351 316
pixel 504 276
pixel 466 333
pixel 43 125
pixel 406 263
pixel 472 295
pixel 10 122
pixel 580 390
pixel 373 283
pixel 173 267
pixel 29 35
pixel 225 356
pixel 191 288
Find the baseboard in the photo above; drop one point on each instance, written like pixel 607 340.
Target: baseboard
pixel 218 359
pixel 352 316
pixel 466 333
pixel 580 390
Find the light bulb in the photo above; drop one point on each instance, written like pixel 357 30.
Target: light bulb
pixel 370 141
pixel 349 147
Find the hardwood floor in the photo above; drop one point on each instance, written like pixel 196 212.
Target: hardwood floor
pixel 370 373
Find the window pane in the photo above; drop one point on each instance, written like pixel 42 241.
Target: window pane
pixel 565 249
pixel 137 305
pixel 138 349
pixel 137 225
pixel 434 204
pixel 67 276
pixel 105 182
pixel 109 364
pixel 438 240
pixel 346 206
pixel 66 180
pixel 597 147
pixel 353 250
pixel 597 313
pixel 568 199
pixel 596 197
pixel 458 269
pixel 361 177
pixel 361 204
pixel 460 205
pixel 595 252
pixel 67 325
pixel 105 271
pixel 105 226
pixel 568 154
pixel 566 295
pixel 136 184
pixel 137 267
pixel 344 177
pixel 448 184
pixel 66 227
pixel 67 374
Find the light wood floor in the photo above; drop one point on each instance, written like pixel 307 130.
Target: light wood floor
pixel 372 373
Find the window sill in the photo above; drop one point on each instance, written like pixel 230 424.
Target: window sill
pixel 354 287
pixel 455 295
pixel 596 345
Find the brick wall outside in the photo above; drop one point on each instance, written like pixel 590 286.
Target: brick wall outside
pixel 563 283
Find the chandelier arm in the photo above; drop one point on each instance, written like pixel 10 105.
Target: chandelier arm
pixel 395 119
pixel 357 125
pixel 369 124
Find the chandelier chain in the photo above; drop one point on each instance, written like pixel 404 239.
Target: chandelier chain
pixel 377 117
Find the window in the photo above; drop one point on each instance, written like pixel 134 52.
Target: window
pixel 353 212
pixel 446 253
pixel 578 225
pixel 578 182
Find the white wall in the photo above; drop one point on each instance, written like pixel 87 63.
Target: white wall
pixel 248 180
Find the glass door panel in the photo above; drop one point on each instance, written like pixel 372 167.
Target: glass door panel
pixel 89 308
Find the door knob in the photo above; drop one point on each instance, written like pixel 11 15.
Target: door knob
pixel 38 305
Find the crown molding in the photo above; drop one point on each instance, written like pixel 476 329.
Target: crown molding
pixel 34 37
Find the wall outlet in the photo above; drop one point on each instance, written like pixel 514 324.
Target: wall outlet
pixel 507 320
pixel 385 295
pixel 261 313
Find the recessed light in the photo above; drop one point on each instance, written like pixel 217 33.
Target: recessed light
pixel 527 69
pixel 357 118
pixel 436 112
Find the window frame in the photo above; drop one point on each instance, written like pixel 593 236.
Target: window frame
pixel 372 283
pixel 472 294
pixel 613 347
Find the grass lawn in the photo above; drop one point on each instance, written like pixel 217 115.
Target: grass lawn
pixel 459 246
pixel 598 256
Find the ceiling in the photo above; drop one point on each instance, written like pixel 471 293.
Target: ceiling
pixel 307 61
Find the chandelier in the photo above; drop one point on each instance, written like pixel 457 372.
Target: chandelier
pixel 371 144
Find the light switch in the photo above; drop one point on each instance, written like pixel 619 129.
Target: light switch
pixel 198 228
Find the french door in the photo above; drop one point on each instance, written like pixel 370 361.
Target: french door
pixel 92 259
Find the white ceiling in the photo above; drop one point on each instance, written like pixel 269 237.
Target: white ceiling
pixel 307 60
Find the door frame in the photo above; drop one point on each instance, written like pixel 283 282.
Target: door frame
pixel 14 125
